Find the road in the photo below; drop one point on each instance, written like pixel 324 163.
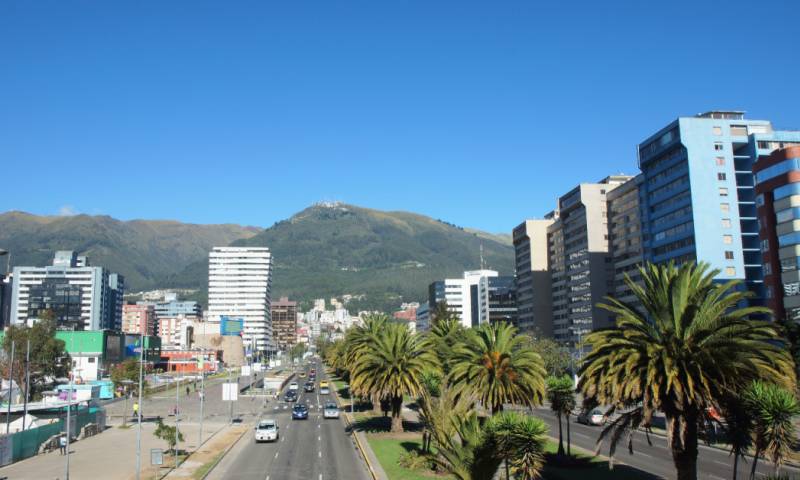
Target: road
pixel 315 449
pixel 712 463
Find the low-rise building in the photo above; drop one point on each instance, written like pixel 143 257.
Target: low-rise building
pixel 139 319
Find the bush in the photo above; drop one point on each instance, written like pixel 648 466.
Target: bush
pixel 413 460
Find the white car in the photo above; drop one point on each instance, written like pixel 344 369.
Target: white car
pixel 595 417
pixel 293 386
pixel 267 431
pixel 330 411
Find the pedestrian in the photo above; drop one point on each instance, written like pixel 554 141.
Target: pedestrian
pixel 187 390
pixel 136 410
pixel 62 444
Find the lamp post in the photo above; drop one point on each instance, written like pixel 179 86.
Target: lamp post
pixel 139 411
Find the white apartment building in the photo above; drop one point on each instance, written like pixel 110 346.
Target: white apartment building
pixel 239 285
pixel 469 296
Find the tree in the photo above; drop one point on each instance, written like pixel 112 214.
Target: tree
pixel 521 441
pixel 48 357
pixel 557 359
pixel 392 365
pixel 494 364
pixel 297 351
pixel 738 427
pixel 561 395
pixel 689 345
pixel 168 434
pixel 358 340
pixel 127 373
pixel 443 337
pixel 773 409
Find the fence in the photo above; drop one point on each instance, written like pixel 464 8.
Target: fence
pixel 24 444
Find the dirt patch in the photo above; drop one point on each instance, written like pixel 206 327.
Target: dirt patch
pixel 209 452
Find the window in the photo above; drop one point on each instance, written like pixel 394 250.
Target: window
pixel 738 130
pixel 721 176
pixel 765 245
pixel 727 239
pixel 720 161
pixel 725 207
pixel 789 239
pixel 788 214
pixel 767 269
pixel 718 146
pixel 726 223
pixel 730 271
pixel 784 191
pixel 760 200
pixel 723 191
pixel 717 130
pixel 92 359
pixel 728 254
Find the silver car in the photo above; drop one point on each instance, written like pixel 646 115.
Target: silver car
pixel 267 431
pixel 330 411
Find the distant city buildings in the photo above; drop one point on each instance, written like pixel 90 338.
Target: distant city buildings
pixel 139 319
pixel 423 317
pixel 284 323
pixel 469 297
pixel 239 285
pixel 78 296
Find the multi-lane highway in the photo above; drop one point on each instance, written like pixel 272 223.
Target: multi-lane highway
pixel 316 449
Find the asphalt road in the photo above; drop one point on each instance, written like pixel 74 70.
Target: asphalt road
pixel 712 463
pixel 315 449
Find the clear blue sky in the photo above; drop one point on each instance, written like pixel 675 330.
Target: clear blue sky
pixel 480 113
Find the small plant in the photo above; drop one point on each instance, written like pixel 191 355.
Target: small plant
pixel 413 460
pixel 168 434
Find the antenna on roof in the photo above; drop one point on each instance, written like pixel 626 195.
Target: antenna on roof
pixel 483 266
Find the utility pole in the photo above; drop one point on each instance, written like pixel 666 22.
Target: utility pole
pixel 177 410
pixel 10 388
pixel 69 402
pixel 202 395
pixel 139 412
pixel 27 381
pixel 231 393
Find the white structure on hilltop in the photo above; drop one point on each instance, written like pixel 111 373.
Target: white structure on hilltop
pixel 239 285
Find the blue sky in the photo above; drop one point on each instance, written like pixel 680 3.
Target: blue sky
pixel 479 113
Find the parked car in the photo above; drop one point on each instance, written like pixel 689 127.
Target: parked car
pixel 595 416
pixel 300 412
pixel 266 431
pixel 330 411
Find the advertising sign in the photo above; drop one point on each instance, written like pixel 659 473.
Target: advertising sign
pixel 230 392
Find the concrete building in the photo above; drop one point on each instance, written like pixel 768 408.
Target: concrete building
pixel 579 260
pixel 502 299
pixel 174 308
pixel 239 285
pixel 176 332
pixel 284 323
pixel 423 317
pixel 139 319
pixel 534 300
pixel 697 193
pixel 80 296
pixel 625 238
pixel 469 297
pixel 777 177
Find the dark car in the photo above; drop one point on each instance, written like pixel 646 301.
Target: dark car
pixel 309 387
pixel 290 396
pixel 300 412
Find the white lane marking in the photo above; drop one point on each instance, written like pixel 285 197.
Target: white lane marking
pixel 714 476
pixel 319 439
pixel 722 463
pixel 320 476
pixel 267 477
pixel 642 453
pixel 320 454
pixel 276 454
pixel 581 435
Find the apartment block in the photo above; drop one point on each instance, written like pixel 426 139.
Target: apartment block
pixel 284 323
pixel 139 319
pixel 579 260
pixel 533 288
pixel 625 238
pixel 79 296
pixel 777 178
pixel 239 285
pixel 477 298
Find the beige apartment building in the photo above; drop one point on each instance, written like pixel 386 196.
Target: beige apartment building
pixel 625 235
pixel 534 302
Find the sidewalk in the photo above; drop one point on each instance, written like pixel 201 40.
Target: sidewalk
pixel 210 453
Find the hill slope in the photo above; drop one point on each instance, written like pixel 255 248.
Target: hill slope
pixel 333 249
pixel 145 252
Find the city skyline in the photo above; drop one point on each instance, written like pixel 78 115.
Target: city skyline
pixel 209 105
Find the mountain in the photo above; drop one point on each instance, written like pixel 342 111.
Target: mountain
pixel 332 249
pixel 146 252
pixel 327 250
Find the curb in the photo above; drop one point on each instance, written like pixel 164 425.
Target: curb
pixel 224 453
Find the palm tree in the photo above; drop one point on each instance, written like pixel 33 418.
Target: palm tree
pixel 392 365
pixel 738 427
pixel 691 343
pixel 495 365
pixel 561 395
pixel 773 409
pixel 445 334
pixel 358 339
pixel 521 442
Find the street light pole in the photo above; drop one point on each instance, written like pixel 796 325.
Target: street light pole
pixel 177 410
pixel 10 389
pixel 139 412
pixel 27 380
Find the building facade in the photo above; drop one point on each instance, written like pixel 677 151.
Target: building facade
pixel 139 319
pixel 239 285
pixel 531 262
pixel 284 323
pixel 423 317
pixel 777 177
pixel 475 297
pixel 79 296
pixel 579 260
pixel 625 238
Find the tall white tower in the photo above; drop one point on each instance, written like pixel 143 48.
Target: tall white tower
pixel 239 286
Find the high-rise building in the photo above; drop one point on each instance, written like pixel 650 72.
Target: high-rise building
pixel 502 299
pixel 78 295
pixel 423 317
pixel 5 300
pixel 777 177
pixel 469 297
pixel 625 238
pixel 579 260
pixel 139 319
pixel 239 285
pixel 284 323
pixel 534 301
pixel 697 196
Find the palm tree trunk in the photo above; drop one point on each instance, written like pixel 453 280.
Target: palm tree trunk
pixel 376 404
pixel 569 438
pixel 560 436
pixel 682 439
pixel 397 414
pixel 735 466
pixel 755 464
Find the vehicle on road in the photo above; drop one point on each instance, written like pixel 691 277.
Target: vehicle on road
pixel 293 386
pixel 266 431
pixel 324 389
pixel 302 374
pixel 330 411
pixel 309 387
pixel 291 396
pixel 300 412
pixel 594 417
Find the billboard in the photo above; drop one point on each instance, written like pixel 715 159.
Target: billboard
pixel 231 326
